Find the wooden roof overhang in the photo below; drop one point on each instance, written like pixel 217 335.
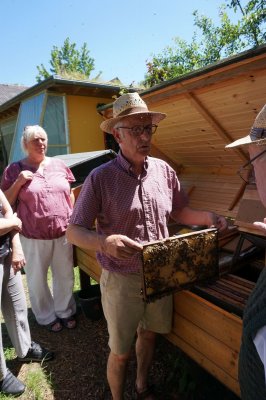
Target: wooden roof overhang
pixel 211 108
pixel 206 110
pixel 57 85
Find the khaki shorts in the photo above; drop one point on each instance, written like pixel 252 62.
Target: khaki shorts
pixel 125 310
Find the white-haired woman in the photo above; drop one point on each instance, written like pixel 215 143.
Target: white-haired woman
pixel 39 187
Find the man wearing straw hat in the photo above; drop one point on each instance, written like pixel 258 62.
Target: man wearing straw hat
pixel 131 198
pixel 252 357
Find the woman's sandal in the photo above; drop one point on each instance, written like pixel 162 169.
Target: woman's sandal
pixel 149 391
pixel 70 322
pixel 54 326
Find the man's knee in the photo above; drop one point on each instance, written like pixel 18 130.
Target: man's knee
pixel 145 334
pixel 119 358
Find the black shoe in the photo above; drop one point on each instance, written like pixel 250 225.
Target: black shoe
pixel 11 385
pixel 37 353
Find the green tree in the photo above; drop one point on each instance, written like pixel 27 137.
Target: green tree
pixel 68 62
pixel 210 43
pixel 253 20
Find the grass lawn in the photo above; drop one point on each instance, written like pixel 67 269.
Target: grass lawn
pixel 35 376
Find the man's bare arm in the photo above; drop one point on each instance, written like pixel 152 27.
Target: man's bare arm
pixel 118 246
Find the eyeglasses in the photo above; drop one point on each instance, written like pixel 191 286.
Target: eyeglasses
pixel 138 130
pixel 247 171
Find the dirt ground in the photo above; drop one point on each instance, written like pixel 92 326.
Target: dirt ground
pixel 78 371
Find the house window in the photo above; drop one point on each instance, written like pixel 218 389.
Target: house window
pixel 49 111
pixel 7 129
pixel 30 112
pixel 54 123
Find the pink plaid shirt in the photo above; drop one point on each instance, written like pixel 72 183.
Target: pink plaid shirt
pixel 44 204
pixel 122 203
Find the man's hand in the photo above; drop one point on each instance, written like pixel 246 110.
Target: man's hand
pixel 120 246
pixel 261 225
pixel 221 223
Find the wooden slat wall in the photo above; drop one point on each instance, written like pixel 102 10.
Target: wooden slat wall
pixel 86 260
pixel 203 115
pixel 209 335
pixel 212 192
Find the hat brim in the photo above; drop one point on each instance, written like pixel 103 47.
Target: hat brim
pixel 245 141
pixel 108 124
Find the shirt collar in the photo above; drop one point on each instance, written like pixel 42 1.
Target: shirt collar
pixel 125 164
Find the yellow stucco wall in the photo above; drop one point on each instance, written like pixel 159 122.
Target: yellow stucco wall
pixel 84 123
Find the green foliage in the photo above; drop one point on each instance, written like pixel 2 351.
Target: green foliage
pixel 37 382
pixel 76 279
pixel 210 43
pixel 68 62
pixel 9 353
pixel 6 397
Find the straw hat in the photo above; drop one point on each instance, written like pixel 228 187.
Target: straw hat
pixel 257 133
pixel 127 105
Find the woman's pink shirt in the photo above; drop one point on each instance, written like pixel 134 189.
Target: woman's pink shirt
pixel 44 204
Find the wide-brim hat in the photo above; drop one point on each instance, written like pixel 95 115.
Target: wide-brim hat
pixel 129 104
pixel 257 133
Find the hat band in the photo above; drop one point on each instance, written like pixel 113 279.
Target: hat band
pixel 257 133
pixel 132 110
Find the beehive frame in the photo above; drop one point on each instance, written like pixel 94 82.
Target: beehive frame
pixel 179 262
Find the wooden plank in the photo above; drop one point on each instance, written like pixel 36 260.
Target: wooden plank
pixel 231 293
pixel 225 297
pixel 207 316
pixel 209 346
pixel 214 123
pixel 239 281
pixel 155 152
pixel 89 271
pixel 248 227
pixel 235 289
pixel 222 299
pixel 217 77
pixel 214 369
pixel 231 285
pixel 86 260
pixel 241 92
